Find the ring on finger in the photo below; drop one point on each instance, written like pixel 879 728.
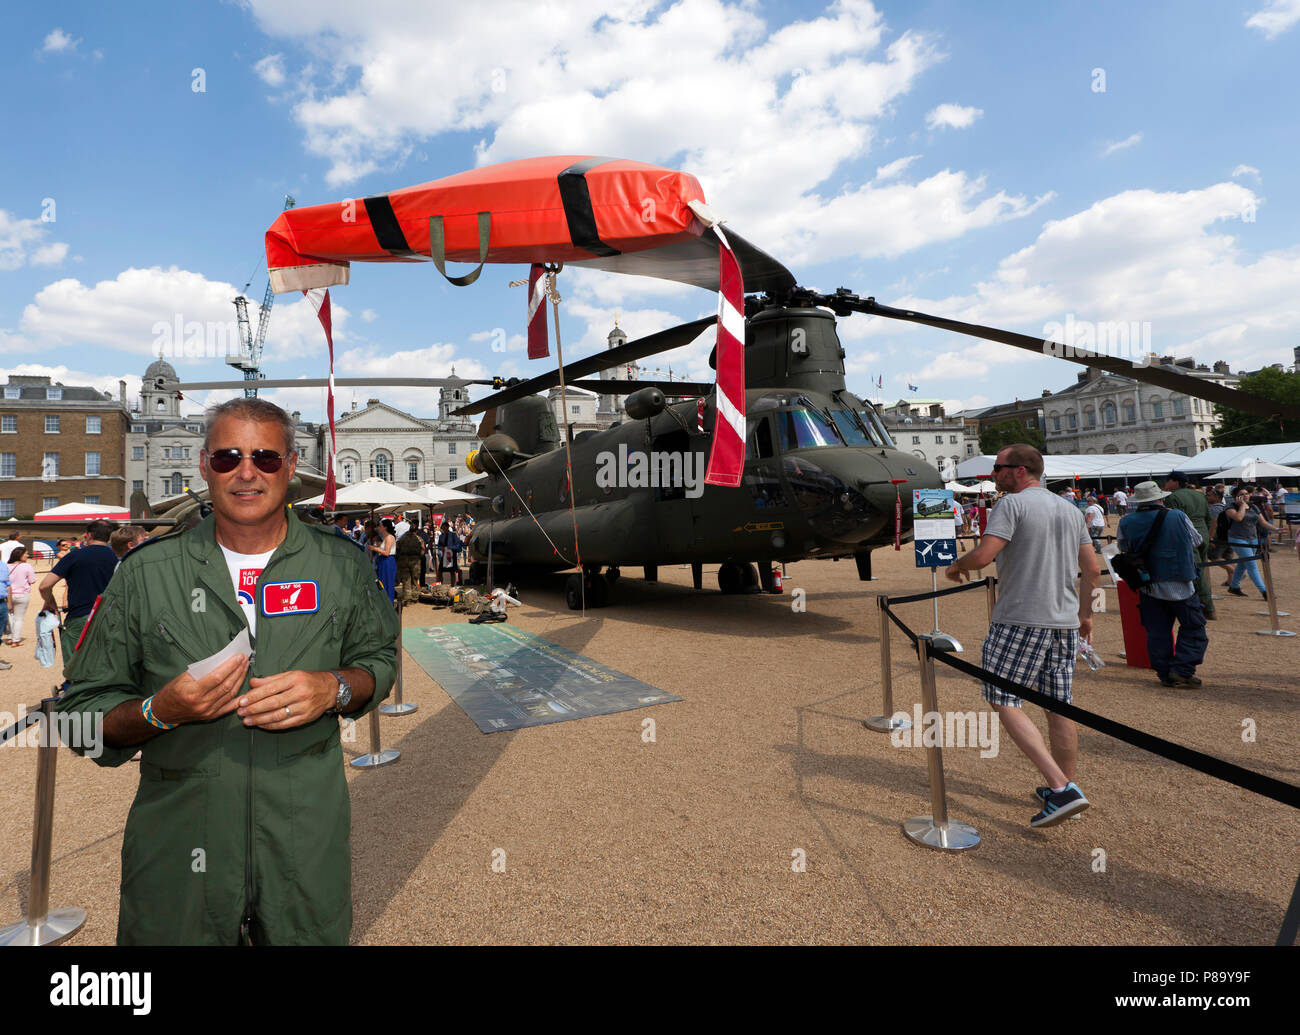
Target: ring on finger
pixel 286 710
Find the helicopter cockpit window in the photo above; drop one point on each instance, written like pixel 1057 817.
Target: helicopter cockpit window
pixel 872 420
pixel 854 432
pixel 758 439
pixel 806 429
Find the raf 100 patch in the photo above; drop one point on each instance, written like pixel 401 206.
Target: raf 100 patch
pixel 290 598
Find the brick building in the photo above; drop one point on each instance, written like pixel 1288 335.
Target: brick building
pixel 60 444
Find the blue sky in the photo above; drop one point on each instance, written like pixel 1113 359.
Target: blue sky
pixel 956 158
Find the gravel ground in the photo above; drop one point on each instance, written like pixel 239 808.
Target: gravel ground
pixel 763 812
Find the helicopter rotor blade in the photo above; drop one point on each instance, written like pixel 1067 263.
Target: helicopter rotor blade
pixel 339 382
pixel 669 388
pixel 843 302
pixel 660 341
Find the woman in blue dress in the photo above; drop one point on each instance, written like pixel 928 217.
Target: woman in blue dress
pixel 385 555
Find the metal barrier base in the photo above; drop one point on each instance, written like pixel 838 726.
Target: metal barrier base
pixel 58 925
pixel 1280 614
pixel 405 708
pixel 374 761
pixel 887 723
pixel 1273 632
pixel 948 837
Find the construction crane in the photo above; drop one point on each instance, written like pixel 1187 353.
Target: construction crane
pixel 249 359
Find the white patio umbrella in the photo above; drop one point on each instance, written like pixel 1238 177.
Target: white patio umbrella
pixel 443 494
pixel 1253 469
pixel 83 512
pixel 372 492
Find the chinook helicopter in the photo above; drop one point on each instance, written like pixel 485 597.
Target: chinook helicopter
pixel 821 477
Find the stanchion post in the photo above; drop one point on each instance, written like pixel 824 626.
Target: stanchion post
pixel 888 721
pixel 991 594
pixel 398 706
pixel 378 755
pixel 936 830
pixel 43 926
pixel 1274 629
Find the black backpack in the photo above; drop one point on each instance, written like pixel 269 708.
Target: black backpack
pixel 1132 566
pixel 1222 525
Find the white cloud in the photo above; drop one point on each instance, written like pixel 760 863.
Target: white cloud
pixel 1276 18
pixel 369 315
pixel 1120 145
pixel 271 70
pixel 140 310
pixel 952 116
pixel 1166 259
pixel 894 169
pixel 1246 170
pixel 788 109
pixel 58 41
pixel 23 241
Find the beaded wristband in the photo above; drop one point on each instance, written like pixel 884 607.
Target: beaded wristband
pixel 146 709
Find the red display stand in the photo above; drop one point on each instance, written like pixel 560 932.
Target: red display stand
pixel 1135 636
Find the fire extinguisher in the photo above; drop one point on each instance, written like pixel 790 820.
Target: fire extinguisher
pixel 776 580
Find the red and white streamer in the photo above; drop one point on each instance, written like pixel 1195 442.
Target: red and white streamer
pixel 320 300
pixel 538 343
pixel 727 456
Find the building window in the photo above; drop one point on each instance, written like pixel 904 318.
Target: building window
pixel 49 502
pixel 1108 413
pixel 51 424
pixel 1178 407
pixel 137 452
pixel 970 449
pixel 938 440
pixel 1090 419
pixel 1056 423
pixel 53 394
pixel 177 484
pixel 576 410
pixel 137 486
pixel 9 424
pixel 194 428
pixel 92 463
pixel 347 474
pixel 916 440
pixel 92 425
pixel 1157 411
pixel 412 471
pixel 13 393
pixel 1130 414
pixel 379 467
pixel 92 500
pixel 952 440
pixel 6 508
pixel 8 465
pixel 50 466
pixel 1072 421
pixel 137 429
pixel 167 452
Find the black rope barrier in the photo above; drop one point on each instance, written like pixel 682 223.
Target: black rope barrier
pixel 18 727
pixel 899 622
pixel 1286 793
pixel 938 592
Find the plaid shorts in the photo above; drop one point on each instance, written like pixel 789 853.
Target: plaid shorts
pixel 1039 658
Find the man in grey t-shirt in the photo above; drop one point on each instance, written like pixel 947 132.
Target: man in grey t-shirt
pixel 1039 542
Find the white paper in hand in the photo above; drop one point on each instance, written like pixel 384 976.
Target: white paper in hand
pixel 239 645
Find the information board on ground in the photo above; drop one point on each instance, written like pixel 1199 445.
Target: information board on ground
pixel 505 679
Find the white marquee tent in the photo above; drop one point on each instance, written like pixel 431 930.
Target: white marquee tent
pixel 1220 458
pixel 1132 467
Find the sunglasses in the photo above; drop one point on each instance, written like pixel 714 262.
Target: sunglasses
pixel 999 467
pixel 223 461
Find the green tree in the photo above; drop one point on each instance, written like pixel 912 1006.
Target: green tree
pixel 1246 429
pixel 997 437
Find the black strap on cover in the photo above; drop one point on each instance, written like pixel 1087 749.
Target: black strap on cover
pixel 383 220
pixel 578 213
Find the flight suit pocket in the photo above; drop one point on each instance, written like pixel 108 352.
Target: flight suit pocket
pixel 192 750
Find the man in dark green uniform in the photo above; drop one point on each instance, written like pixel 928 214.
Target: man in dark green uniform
pixel 239 830
pixel 1192 502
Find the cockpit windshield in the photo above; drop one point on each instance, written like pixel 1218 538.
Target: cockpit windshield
pixel 856 430
pixel 806 429
pixel 872 420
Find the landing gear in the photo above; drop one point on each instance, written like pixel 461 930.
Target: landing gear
pixel 652 573
pixel 612 574
pixel 864 565
pixel 589 584
pixel 697 575
pixel 738 578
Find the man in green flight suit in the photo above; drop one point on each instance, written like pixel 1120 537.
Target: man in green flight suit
pixel 1193 503
pixel 239 833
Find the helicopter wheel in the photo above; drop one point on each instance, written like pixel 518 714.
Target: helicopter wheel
pixel 612 574
pixel 573 592
pixel 597 592
pixel 749 579
pixel 731 578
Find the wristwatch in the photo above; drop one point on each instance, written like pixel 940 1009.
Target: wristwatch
pixel 344 697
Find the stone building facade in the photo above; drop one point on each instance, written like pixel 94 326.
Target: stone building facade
pixel 60 444
pixel 920 427
pixel 381 441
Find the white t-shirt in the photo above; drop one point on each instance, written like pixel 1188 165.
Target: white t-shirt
pixel 1096 518
pixel 245 569
pixel 1121 500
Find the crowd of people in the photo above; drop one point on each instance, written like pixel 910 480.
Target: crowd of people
pixel 404 555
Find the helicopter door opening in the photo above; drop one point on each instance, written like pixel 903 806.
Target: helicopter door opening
pixel 762 467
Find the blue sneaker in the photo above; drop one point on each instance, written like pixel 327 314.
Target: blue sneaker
pixel 1059 805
